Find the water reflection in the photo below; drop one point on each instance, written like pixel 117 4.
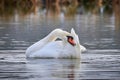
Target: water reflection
pixel 54 69
pixel 94 65
pixel 116 4
pixel 96 22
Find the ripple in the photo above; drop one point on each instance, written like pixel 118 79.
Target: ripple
pixel 94 64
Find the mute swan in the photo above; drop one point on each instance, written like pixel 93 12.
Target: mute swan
pixel 47 47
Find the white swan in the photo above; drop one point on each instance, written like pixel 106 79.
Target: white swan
pixel 69 47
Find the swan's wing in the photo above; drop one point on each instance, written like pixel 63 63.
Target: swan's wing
pixel 77 40
pixel 55 49
pixel 51 50
pixel 83 49
pixel 34 47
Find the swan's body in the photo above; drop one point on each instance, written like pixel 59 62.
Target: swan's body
pixel 57 50
pixel 49 48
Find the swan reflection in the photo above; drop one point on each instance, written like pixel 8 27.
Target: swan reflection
pixel 54 68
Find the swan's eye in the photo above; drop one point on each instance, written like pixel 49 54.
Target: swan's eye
pixel 71 40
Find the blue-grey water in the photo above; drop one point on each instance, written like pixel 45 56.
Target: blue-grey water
pixel 99 33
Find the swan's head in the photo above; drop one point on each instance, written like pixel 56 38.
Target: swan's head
pixel 75 36
pixel 75 40
pixel 71 38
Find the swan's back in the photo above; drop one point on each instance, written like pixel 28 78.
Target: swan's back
pixel 51 50
pixel 55 49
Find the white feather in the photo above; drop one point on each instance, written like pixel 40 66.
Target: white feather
pixel 49 48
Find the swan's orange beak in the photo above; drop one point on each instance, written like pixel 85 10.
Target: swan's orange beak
pixel 71 40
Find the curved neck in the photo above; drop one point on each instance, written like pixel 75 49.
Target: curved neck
pixel 38 45
pixel 51 37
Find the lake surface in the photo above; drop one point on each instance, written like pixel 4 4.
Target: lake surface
pixel 99 33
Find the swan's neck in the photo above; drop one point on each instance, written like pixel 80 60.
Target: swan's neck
pixel 49 38
pixel 38 45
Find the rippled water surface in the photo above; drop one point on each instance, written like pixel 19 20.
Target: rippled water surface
pixel 95 64
pixel 99 33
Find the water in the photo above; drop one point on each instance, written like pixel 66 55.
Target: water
pixel 95 64
pixel 99 33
